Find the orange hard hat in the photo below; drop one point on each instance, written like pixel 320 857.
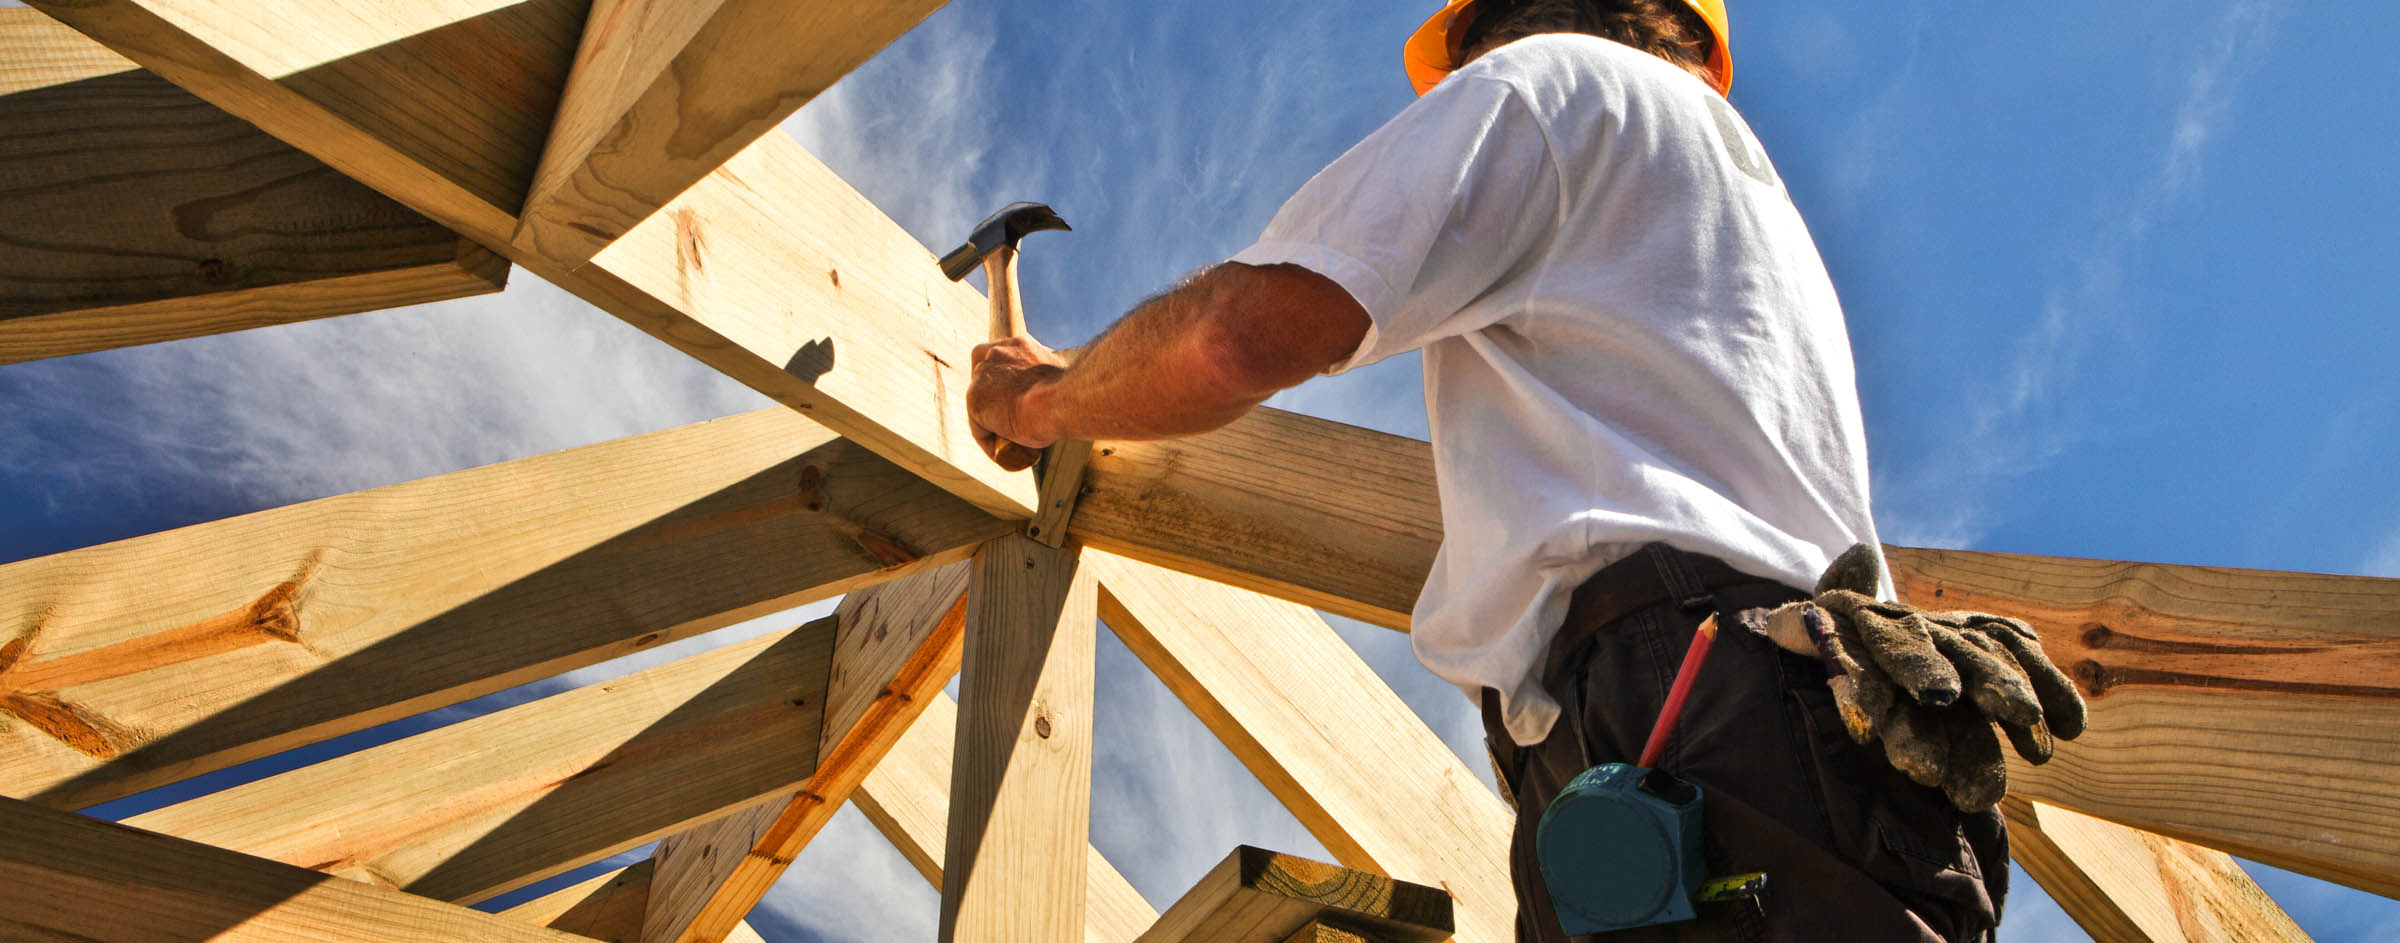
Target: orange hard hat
pixel 1433 51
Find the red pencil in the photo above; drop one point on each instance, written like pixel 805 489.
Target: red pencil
pixel 1681 689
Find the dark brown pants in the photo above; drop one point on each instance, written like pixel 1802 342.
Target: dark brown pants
pixel 1852 849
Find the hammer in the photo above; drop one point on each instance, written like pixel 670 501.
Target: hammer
pixel 994 245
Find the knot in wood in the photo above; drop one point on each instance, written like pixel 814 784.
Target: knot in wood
pixel 1041 726
pixel 2096 635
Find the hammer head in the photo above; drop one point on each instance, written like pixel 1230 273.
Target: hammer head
pixel 1003 228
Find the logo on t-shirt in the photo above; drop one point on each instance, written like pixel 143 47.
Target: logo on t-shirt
pixel 1739 146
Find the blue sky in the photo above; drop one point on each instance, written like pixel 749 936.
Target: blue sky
pixel 2115 274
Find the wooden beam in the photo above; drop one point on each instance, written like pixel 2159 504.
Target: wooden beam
pixel 2244 710
pixel 138 213
pixel 487 805
pixel 1305 714
pixel 1258 896
pixel 607 908
pixel 907 796
pixel 1013 864
pixel 2124 884
pixel 871 341
pixel 665 91
pixel 67 877
pixel 133 664
pixel 1331 516
pixel 896 645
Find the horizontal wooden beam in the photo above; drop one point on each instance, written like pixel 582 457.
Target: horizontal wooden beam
pixel 2124 885
pixel 1306 715
pixel 665 91
pixel 139 213
pixel 128 665
pixel 1331 516
pixel 487 805
pixel 896 645
pixel 907 796
pixel 2249 711
pixel 770 269
pixel 1258 896
pixel 607 907
pixel 67 877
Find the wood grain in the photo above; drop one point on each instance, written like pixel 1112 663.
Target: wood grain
pixel 606 907
pixel 770 269
pixel 1258 896
pixel 1013 864
pixel 138 213
pixel 1302 712
pixel 896 645
pixel 2124 884
pixel 665 91
pixel 132 664
pixel 64 877
pixel 1331 516
pixel 2250 711
pixel 496 802
pixel 907 796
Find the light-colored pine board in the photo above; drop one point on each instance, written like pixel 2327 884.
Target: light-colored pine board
pixel 907 796
pixel 2250 711
pixel 1013 862
pixel 487 805
pixel 896 645
pixel 1282 691
pixel 64 877
pixel 1334 517
pixel 606 907
pixel 665 91
pixel 2124 885
pixel 1318 931
pixel 132 664
pixel 770 269
pixel 138 213
pixel 1258 896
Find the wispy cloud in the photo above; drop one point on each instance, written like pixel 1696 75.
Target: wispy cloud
pixel 2384 559
pixel 2022 423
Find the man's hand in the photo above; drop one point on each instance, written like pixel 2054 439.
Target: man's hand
pixel 1004 401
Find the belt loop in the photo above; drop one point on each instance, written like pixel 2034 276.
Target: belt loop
pixel 1684 586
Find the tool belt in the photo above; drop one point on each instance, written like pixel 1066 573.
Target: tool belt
pixel 1656 573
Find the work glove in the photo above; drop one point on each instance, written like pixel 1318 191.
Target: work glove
pixel 1929 685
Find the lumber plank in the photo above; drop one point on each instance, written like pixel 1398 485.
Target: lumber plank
pixel 606 907
pixel 138 213
pixel 487 805
pixel 907 796
pixel 665 91
pixel 2124 884
pixel 896 645
pixel 871 342
pixel 1331 516
pixel 2248 711
pixel 1258 896
pixel 1300 709
pixel 137 663
pixel 65 877
pixel 1013 860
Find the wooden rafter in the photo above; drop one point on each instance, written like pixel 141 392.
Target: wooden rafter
pixel 896 645
pixel 132 664
pixel 490 804
pixel 871 341
pixel 606 907
pixel 67 877
pixel 1021 784
pixel 1258 896
pixel 907 796
pixel 139 213
pixel 1298 707
pixel 664 91
pixel 2125 885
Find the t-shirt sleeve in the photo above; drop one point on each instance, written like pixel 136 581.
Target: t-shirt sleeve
pixel 1425 215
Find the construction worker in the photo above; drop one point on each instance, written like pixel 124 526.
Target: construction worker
pixel 1643 410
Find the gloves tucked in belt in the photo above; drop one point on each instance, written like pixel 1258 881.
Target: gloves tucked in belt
pixel 1874 649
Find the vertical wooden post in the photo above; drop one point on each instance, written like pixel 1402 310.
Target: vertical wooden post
pixel 1020 792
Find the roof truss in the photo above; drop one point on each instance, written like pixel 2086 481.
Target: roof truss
pixel 2212 689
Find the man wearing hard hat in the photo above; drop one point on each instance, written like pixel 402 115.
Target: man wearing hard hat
pixel 1643 413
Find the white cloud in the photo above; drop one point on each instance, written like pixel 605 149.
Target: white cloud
pixel 2384 559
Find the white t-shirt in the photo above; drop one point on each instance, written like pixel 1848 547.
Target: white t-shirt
pixel 1628 337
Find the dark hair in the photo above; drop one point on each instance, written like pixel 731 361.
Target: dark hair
pixel 1668 29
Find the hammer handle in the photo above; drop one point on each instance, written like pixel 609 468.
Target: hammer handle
pixel 1008 320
